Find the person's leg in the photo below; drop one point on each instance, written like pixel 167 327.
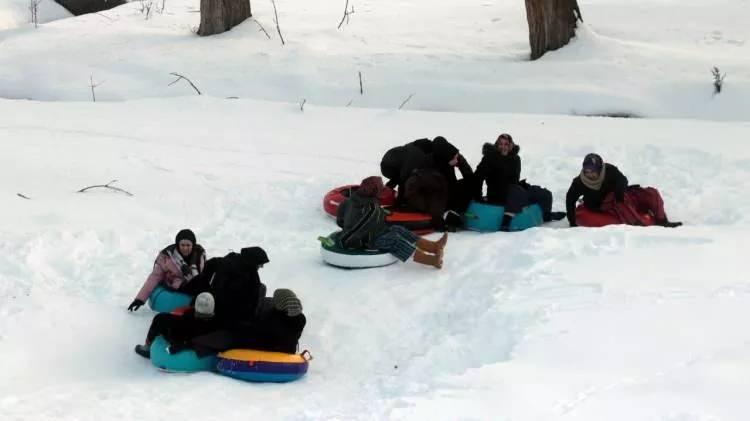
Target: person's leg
pixel 398 241
pixel 159 326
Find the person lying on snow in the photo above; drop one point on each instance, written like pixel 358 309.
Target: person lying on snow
pixel 605 189
pixel 500 168
pixel 277 327
pixel 174 268
pixel 180 329
pixel 363 227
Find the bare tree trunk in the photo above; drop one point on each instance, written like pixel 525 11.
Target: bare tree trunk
pixel 552 23
pixel 219 16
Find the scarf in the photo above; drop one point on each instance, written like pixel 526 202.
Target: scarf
pixel 594 184
pixel 189 271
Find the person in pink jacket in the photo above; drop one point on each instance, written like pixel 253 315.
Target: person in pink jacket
pixel 174 268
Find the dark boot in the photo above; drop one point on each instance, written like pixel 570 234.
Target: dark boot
pixel 505 225
pixel 669 224
pixel 554 216
pixel 143 350
pixel 428 259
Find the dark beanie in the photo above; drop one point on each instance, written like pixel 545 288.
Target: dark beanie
pixel 504 136
pixel 370 186
pixel 185 234
pixel 442 150
pixel 286 300
pixel 593 162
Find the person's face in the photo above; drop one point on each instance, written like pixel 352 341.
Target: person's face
pixel 186 247
pixel 590 174
pixel 504 146
pixel 453 162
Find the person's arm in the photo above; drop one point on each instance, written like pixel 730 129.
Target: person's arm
pixel 570 203
pixel 155 278
pixel 621 184
pixel 480 175
pixel 464 168
pixel 516 175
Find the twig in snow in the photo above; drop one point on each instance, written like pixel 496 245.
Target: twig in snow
pixel 23 196
pixel 361 91
pixel 93 85
pixel 105 16
pixel 302 105
pixel 718 79
pixel 34 9
pixel 350 102
pixel 405 101
pixel 106 186
pixel 346 13
pixel 276 21
pixel 179 76
pixel 262 28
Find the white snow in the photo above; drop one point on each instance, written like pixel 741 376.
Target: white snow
pixel 17 13
pixel 619 323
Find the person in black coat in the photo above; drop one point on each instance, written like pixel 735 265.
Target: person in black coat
pixel 500 168
pixel 399 162
pixel 179 329
pixel 596 180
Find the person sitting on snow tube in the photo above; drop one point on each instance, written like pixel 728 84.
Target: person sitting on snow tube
pixel 276 328
pixel 174 268
pixel 363 227
pixel 605 189
pixel 180 329
pixel 399 162
pixel 500 168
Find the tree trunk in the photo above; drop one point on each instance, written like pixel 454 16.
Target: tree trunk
pixel 552 23
pixel 219 16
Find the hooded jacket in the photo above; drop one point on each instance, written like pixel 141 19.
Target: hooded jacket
pixel 499 171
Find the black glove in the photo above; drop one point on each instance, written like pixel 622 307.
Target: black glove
pixel 173 349
pixel 135 305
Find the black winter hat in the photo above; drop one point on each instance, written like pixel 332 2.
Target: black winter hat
pixel 254 255
pixel 593 162
pixel 185 234
pixel 442 150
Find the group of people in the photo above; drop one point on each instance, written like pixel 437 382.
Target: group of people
pixel 229 308
pixel 423 173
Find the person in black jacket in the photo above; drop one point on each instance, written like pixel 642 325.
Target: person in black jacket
pixel 596 180
pixel 363 226
pixel 399 162
pixel 180 329
pixel 601 183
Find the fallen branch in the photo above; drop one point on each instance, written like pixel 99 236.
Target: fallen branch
pixel 350 102
pixel 276 21
pixel 361 91
pixel 179 76
pixel 262 28
pixel 92 85
pixel 346 13
pixel 405 101
pixel 106 186
pixel 302 105
pixel 21 195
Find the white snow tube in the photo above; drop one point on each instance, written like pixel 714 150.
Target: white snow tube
pixel 335 255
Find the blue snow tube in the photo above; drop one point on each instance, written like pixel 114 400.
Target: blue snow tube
pixel 262 366
pixel 484 217
pixel 182 362
pixel 163 300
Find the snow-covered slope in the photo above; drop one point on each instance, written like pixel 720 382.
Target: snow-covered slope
pixel 17 13
pixel 621 323
pixel 645 58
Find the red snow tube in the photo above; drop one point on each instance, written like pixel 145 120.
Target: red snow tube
pixel 588 218
pixel 420 223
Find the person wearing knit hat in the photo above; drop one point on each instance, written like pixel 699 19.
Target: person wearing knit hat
pixel 286 301
pixel 605 188
pixel 174 268
pixel 362 220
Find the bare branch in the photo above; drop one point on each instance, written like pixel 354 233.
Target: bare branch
pixel 262 28
pixel 405 101
pixel 276 20
pixel 350 102
pixel 302 105
pixel 106 186
pixel 361 91
pixel 179 76
pixel 346 13
pixel 93 85
pixel 23 196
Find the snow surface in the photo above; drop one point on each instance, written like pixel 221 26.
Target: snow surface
pixel 16 13
pixel 620 323
pixel 646 58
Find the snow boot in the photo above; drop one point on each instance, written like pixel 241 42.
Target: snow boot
pixel 428 259
pixel 669 224
pixel 505 224
pixel 434 247
pixel 143 350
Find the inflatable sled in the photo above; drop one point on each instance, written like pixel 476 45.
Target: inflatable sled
pixel 588 218
pixel 418 222
pixel 163 300
pixel 335 254
pixel 263 366
pixel 182 362
pixel 484 217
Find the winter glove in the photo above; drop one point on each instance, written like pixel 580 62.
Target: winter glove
pixel 135 305
pixel 173 349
